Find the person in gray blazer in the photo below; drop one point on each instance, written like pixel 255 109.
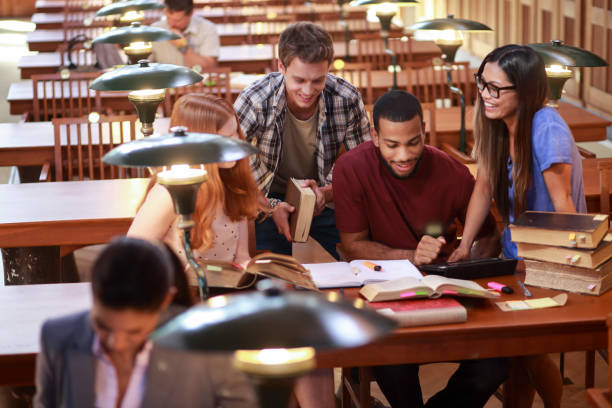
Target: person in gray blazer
pixel 103 358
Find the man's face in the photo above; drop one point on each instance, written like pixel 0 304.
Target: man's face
pixel 177 20
pixel 122 331
pixel 304 82
pixel 401 144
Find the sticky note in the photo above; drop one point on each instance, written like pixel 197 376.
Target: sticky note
pixel 517 305
pixel 407 294
pixel 214 268
pixel 541 303
pixel 600 217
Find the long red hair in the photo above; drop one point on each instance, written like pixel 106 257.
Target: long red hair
pixel 235 188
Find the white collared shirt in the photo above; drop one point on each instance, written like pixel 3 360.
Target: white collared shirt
pixel 106 385
pixel 201 36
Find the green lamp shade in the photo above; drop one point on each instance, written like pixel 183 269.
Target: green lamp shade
pixel 179 147
pixel 135 32
pixel 394 2
pixel 557 53
pixel 145 75
pixel 450 23
pixel 123 7
pixel 274 319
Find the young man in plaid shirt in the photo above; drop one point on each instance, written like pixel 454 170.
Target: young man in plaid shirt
pixel 300 118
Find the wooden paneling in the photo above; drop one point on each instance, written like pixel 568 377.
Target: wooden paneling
pixel 597 84
pixel 17 8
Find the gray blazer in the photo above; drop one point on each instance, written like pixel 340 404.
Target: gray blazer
pixel 65 371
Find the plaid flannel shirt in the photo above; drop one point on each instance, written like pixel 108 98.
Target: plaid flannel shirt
pixel 261 112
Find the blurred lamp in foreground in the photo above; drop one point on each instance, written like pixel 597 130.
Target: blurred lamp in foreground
pixel 175 153
pixel 449 39
pixel 274 332
pixel 558 57
pixel 385 11
pixel 147 83
pixel 138 37
pixel 129 6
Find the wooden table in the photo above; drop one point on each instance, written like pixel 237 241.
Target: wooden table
pixel 217 15
pixel 584 125
pixel 67 213
pixel 25 308
pixel 47 37
pixel 240 58
pixel 488 332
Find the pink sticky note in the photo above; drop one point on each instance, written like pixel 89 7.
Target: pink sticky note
pixel 407 294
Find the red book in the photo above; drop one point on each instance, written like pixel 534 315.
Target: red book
pixel 422 312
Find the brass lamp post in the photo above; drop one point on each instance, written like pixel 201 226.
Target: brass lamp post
pixel 449 40
pixel 275 333
pixel 176 152
pixel 147 83
pixel 138 37
pixel 558 57
pixel 386 11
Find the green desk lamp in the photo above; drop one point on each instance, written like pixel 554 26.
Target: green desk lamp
pixel 176 152
pixel 147 83
pixel 275 333
pixel 385 11
pixel 449 40
pixel 130 10
pixel 136 39
pixel 558 57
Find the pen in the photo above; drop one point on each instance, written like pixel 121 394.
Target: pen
pixel 500 287
pixel 525 290
pixel 372 266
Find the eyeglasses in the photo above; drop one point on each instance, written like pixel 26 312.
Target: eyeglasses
pixel 493 90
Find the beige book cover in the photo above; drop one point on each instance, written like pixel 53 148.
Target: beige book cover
pixel 303 200
pixel 587 258
pixel 560 229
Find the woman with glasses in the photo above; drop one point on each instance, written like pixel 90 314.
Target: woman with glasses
pixel 527 160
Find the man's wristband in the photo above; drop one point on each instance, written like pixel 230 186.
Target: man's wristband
pixel 182 49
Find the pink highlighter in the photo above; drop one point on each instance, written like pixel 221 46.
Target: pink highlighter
pixel 500 287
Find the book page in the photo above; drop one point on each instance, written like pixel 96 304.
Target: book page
pixel 333 275
pixel 389 270
pixel 456 286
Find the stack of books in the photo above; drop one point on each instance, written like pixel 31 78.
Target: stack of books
pixel 565 251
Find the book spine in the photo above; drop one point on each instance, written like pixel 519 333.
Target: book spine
pixel 427 317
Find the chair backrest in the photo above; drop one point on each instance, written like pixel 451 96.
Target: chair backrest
pixel 79 54
pixel 429 82
pixel 64 94
pixel 371 49
pixel 604 186
pixel 80 145
pixel 264 30
pixel 216 81
pixel 360 75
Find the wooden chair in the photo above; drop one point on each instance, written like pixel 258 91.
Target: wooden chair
pixel 598 397
pixel 604 186
pixel 371 49
pixel 56 95
pixel 79 54
pixel 360 75
pixel 80 145
pixel 428 82
pixel 216 81
pixel 266 30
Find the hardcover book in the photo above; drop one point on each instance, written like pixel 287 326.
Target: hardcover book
pixel 267 264
pixel 359 272
pixel 587 258
pixel 303 200
pixel 422 312
pixel 430 286
pixel 591 281
pixel 560 229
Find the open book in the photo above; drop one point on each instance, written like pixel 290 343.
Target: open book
pixel 360 272
pixel 430 286
pixel 267 264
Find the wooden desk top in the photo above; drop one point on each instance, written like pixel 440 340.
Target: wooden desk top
pixel 245 58
pixel 488 332
pixel 67 213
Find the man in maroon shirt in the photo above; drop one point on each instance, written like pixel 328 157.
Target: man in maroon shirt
pixel 388 194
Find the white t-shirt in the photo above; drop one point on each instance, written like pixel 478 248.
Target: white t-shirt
pixel 201 35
